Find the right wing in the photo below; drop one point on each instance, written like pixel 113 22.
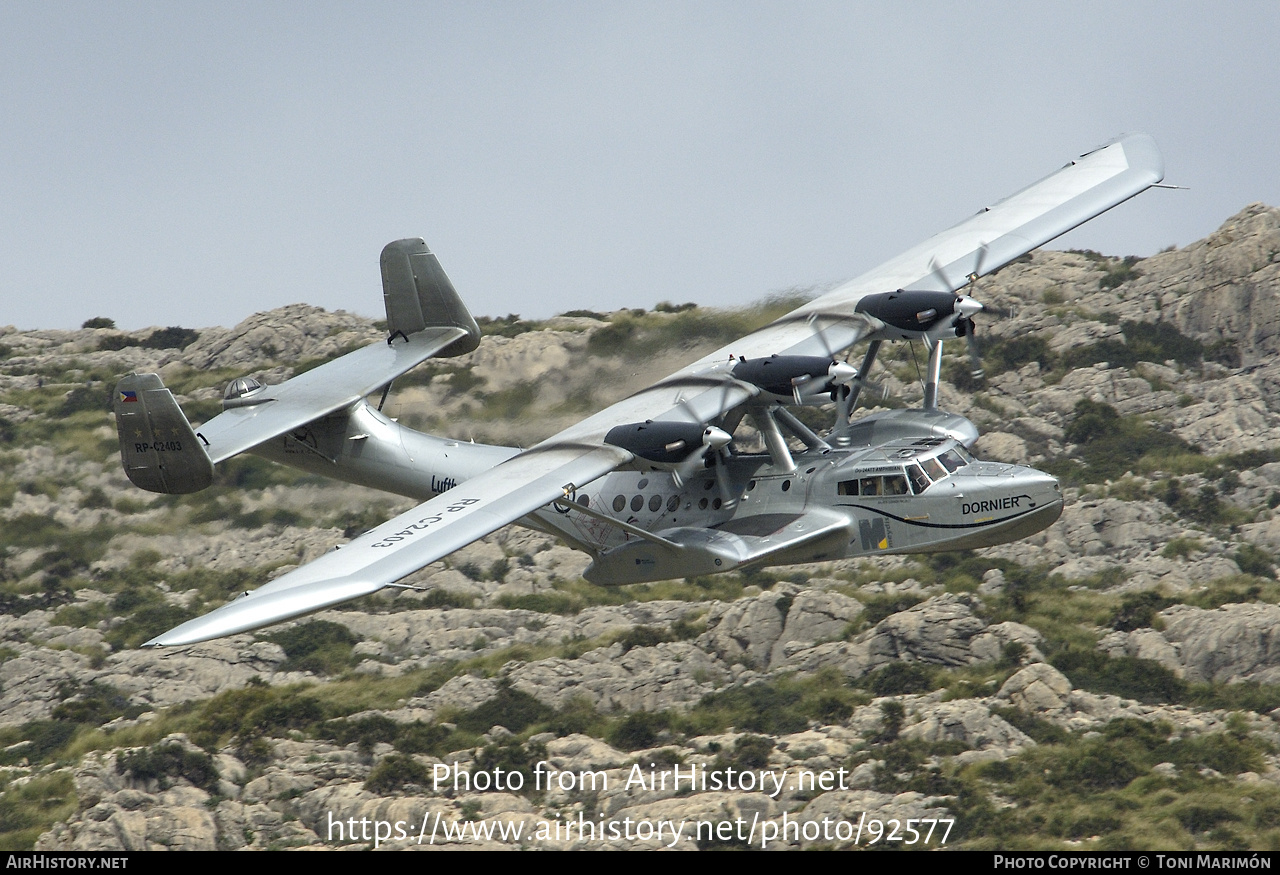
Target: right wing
pixel 996 235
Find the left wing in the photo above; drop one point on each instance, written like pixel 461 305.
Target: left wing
pixel 414 539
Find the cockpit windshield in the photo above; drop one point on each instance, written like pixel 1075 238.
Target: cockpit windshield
pixel 937 468
pixel 917 475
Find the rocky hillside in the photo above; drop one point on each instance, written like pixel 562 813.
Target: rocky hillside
pixel 1110 683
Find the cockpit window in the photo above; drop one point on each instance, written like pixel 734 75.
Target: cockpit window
pixel 951 459
pixel 919 482
pixel 935 469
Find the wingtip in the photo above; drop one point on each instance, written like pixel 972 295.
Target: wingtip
pixel 1140 152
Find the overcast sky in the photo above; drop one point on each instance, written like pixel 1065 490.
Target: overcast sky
pixel 192 163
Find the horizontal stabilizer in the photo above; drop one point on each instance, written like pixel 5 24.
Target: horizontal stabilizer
pixel 335 386
pixel 419 295
pixel 159 450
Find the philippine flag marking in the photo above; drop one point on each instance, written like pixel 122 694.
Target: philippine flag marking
pixel 129 397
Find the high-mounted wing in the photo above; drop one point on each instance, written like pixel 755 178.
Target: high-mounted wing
pixel 414 539
pixel 859 309
pixel 865 307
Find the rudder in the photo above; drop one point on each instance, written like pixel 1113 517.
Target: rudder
pixel 418 294
pixel 158 448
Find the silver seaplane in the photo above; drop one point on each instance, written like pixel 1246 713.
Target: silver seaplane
pixel 655 486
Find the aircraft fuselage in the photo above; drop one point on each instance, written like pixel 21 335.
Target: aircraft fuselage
pixel 904 493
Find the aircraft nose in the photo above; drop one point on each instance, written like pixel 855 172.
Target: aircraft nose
pixel 1046 492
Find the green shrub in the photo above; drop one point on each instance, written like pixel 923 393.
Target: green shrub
pixel 892 715
pixel 1256 561
pixel 1127 676
pixel 96 398
pixel 1138 610
pixel 900 678
pixel 95 704
pixel 395 773
pixel 1110 444
pixel 365 732
pixel 419 737
pixel 116 342
pixel 172 337
pixel 29 808
pixel 504 326
pixel 639 730
pixel 877 608
pixel 1225 752
pixel 1182 548
pixel 1095 765
pixel 510 708
pixel 44 741
pixel 1120 272
pixel 318 646
pixel 443 598
pixel 165 762
pixel 147 622
pixel 512 755
pixel 642 636
pixel 566 604
pixel 749 752
pixel 256 710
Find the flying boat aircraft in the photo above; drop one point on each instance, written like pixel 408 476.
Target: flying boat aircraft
pixel 655 486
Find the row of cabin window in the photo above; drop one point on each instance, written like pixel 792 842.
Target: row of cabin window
pixel 655 503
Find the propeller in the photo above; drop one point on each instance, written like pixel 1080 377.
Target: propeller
pixel 839 375
pixel 968 308
pixel 714 440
